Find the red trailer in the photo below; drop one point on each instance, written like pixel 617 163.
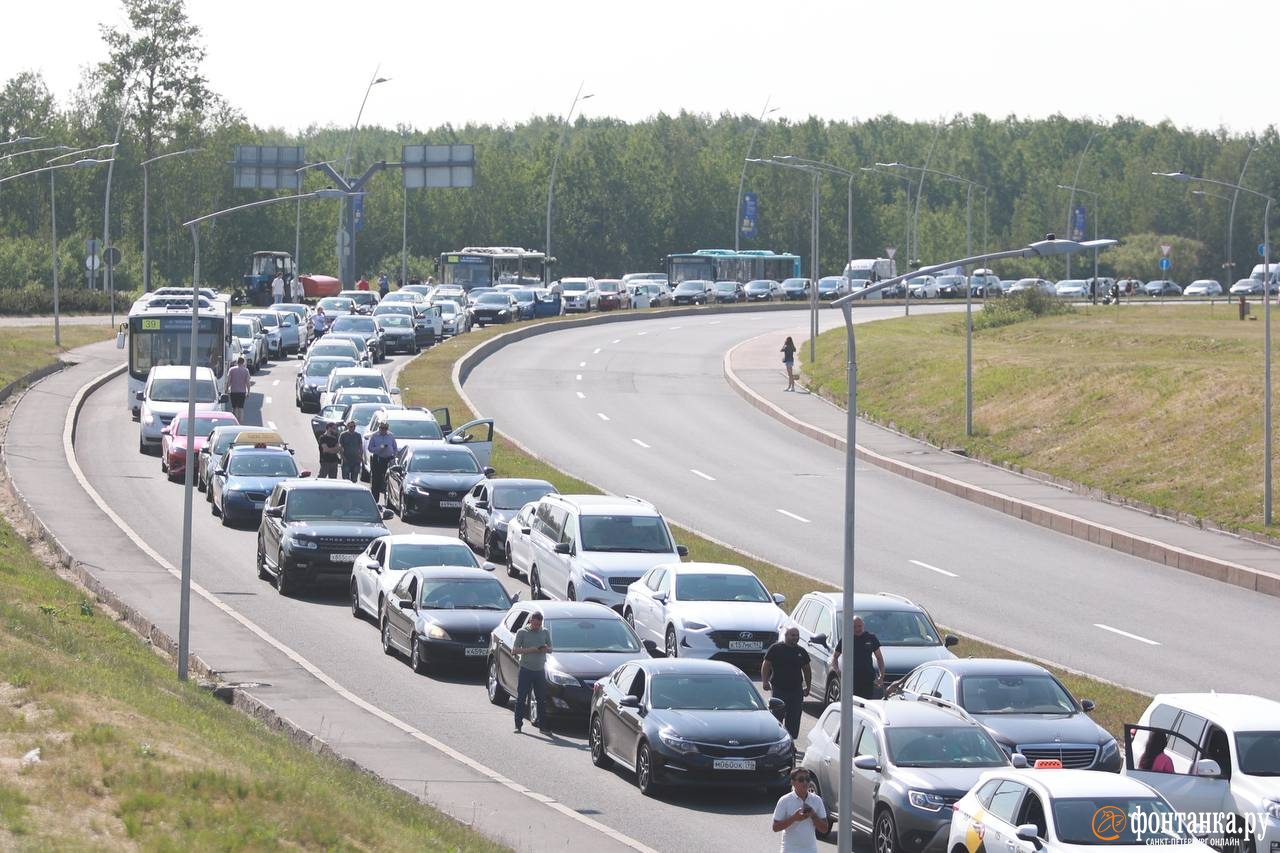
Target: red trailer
pixel 320 286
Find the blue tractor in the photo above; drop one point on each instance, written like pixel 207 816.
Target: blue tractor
pixel 262 271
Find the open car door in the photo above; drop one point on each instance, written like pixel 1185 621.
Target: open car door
pixel 478 436
pixel 442 417
pixel 1196 784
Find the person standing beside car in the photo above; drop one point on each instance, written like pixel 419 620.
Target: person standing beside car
pixel 789 359
pixel 866 678
pixel 238 383
pixel 382 449
pixel 330 452
pixel 277 287
pixel 532 643
pixel 786 671
pixel 800 816
pixel 352 446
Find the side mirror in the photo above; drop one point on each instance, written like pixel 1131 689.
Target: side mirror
pixel 482 504
pixel 374 566
pixel 1087 705
pixel 563 548
pixel 526 530
pixel 219 472
pixel 950 640
pixel 120 340
pixel 1208 768
pixel 1019 761
pixel 660 597
pixel 629 702
pixel 224 399
pixel 274 511
pixel 387 515
pixel 396 468
pixel 779 598
pixel 652 648
pixel 866 762
pixel 489 567
pixel 1028 832
pixel 682 550
pixel 139 396
pixel 304 473
pixel 406 604
pixel 819 639
pixel 489 472
pixel 395 391
pixel 778 708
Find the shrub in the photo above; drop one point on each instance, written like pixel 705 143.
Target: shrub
pixel 38 299
pixel 1023 305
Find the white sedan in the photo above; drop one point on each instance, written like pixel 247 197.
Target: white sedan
pixel 377 571
pixel 1203 287
pixel 705 610
pixel 519 548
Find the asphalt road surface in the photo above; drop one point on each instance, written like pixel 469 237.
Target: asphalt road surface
pixel 643 408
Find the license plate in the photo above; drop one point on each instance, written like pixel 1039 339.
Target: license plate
pixel 733 764
pixel 745 645
pixel 258 504
pixel 476 652
pixel 342 558
pixel 450 504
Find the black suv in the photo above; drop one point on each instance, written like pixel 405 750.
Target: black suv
pixel 313 531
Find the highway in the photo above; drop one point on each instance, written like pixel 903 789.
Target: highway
pixel 450 706
pixel 643 409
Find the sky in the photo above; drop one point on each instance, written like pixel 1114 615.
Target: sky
pixel 289 64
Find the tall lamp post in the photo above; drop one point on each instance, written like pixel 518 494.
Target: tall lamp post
pixel 1049 246
pixel 297 221
pixel 1231 216
pixel 346 220
pixel 35 151
pixel 1227 263
pixel 1071 202
pixel 184 602
pixel 742 180
pixel 834 170
pixel 20 140
pixel 1097 214
pixel 111 146
pixel 1266 319
pixel 906 246
pixel 555 164
pixel 146 213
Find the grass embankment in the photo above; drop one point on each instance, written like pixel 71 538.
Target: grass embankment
pixel 1159 405
pixel 131 758
pixel 427 381
pixel 25 348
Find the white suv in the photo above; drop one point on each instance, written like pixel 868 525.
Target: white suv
pixel 580 294
pixel 165 395
pixel 354 377
pixel 592 547
pixel 1225 752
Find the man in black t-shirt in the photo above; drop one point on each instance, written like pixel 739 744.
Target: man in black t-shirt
pixel 786 672
pixel 330 452
pixel 866 678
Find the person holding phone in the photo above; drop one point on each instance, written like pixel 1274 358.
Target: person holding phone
pixel 532 643
pixel 800 816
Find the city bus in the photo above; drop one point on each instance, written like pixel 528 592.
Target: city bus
pixel 485 266
pixel 158 331
pixel 728 265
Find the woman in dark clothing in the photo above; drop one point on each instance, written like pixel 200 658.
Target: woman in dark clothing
pixel 789 359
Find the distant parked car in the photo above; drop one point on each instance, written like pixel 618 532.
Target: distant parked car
pixel 984 283
pixel 1031 284
pixel 1248 287
pixel 1161 287
pixel 923 287
pixel 795 288
pixel 692 292
pixel 832 286
pixel 763 290
pixel 612 294
pixel 1203 287
pixel 951 286
pixel 1073 288
pixel 728 291
pixel 857 285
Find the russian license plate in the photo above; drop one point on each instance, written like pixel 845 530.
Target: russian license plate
pixel 476 651
pixel 745 645
pixel 450 504
pixel 733 764
pixel 342 558
pixel 258 504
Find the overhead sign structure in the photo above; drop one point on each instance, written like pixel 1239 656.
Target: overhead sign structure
pixel 1165 249
pixel 443 166
pixel 267 167
pixel 747 227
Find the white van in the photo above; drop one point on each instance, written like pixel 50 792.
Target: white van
pixel 1260 270
pixel 165 395
pixel 871 269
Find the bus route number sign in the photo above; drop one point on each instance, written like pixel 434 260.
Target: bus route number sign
pixel 151 324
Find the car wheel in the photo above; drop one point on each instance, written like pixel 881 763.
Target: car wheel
pixel 816 791
pixel 284 584
pixel 222 516
pixel 365 475
pixel 164 469
pixel 630 617
pixel 387 648
pixel 644 771
pixel 497 695
pixel 402 508
pixel 512 572
pixel 462 532
pixel 599 757
pixel 416 660
pixel 671 647
pixel 487 548
pixel 573 593
pixel 535 585
pixel 832 695
pixel 199 484
pixel 535 719
pixel 355 600
pixel 262 564
pixel 886 832
pixel 208 494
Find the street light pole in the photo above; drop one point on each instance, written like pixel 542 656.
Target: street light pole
pixel 555 164
pixel 20 140
pixel 1071 203
pixel 346 217
pixel 1231 218
pixel 1230 199
pixel 835 170
pixel 146 214
pixel 297 219
pixel 742 180
pixel 1097 214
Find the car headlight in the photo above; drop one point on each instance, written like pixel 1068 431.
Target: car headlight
pixel 677 743
pixel 594 580
pixel 1110 748
pixel 296 541
pixel 782 747
pixel 695 625
pixel 417 490
pixel 1272 808
pixel 926 800
pixel 438 633
pixel 564 679
pixel 148 419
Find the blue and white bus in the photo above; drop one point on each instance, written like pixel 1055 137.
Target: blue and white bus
pixel 486 266
pixel 158 331
pixel 728 265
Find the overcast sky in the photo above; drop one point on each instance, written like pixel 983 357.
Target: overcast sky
pixel 290 64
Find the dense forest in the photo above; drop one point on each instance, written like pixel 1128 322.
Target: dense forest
pixel 627 194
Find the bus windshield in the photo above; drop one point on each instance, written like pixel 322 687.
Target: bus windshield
pixel 152 348
pixel 475 272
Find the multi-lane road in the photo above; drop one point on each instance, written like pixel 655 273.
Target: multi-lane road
pixel 641 408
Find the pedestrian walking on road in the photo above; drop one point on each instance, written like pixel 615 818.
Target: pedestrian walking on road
pixel 352 446
pixel 299 292
pixel 319 323
pixel 789 359
pixel 382 449
pixel 532 643
pixel 800 816
pixel 384 285
pixel 238 383
pixel 330 452
pixel 866 677
pixel 787 673
pixel 277 287
pixel 362 284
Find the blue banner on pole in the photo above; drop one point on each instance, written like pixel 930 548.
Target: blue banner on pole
pixel 1078 222
pixel 748 224
pixel 357 211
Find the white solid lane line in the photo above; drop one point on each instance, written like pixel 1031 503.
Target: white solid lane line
pixel 702 475
pixel 1125 634
pixel 673 328
pixel 271 425
pixel 602 416
pixel 275 382
pixel 596 351
pixel 582 364
pixel 793 515
pixel 581 396
pixel 642 333
pixel 933 568
pixel 640 443
pixel 617 340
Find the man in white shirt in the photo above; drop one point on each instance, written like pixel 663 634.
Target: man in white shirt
pixel 277 288
pixel 800 816
pixel 299 292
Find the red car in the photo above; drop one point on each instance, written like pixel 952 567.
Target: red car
pixel 612 294
pixel 176 442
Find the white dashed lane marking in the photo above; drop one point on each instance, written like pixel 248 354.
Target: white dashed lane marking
pixel 702 475
pixel 581 396
pixel 582 364
pixel 1125 634
pixel 640 443
pixel 793 515
pixel 602 416
pixel 596 351
pixel 932 568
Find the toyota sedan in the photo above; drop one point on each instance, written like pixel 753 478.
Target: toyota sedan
pixel 446 614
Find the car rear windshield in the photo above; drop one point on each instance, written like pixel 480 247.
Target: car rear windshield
pixel 592 635
pixel 410 555
pixel 1259 753
pixel 349 323
pixel 514 497
pixel 443 462
pixel 175 391
pixel 712 692
pixel 1014 694
pixel 359 380
pixel 1146 820
pixel 262 465
pixel 641 534
pixel 715 587
pixel 203 425
pixel 323 367
pixel 415 429
pixel 900 627
pixel 464 594
pixel 943 746
pixel 395 321
pixel 353 505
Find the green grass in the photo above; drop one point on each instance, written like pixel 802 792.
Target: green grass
pixel 25 348
pixel 1161 405
pixel 133 759
pixel 427 381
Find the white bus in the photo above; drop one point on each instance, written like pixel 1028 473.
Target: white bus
pixel 158 331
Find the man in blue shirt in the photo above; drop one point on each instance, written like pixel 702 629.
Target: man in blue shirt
pixel 382 449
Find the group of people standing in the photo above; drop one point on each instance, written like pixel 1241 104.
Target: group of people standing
pixel 345 450
pixel 297 293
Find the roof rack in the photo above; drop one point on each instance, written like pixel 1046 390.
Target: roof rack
pixel 896 597
pixel 942 703
pixel 638 500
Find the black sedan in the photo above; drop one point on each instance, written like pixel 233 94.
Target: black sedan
pixel 398 334
pixel 432 478
pixel 588 641
pixel 488 508
pixel 443 614
pixel 728 291
pixel 689 722
pixel 494 307
pixel 424 332
pixel 1161 287
pixel 314 378
pixel 693 292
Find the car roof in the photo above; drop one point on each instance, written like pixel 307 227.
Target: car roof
pixel 179 371
pixel 989 666
pixel 421 539
pixel 517 481
pixel 251 450
pixel 218 416
pixel 357 371
pixel 436 447
pixel 869 601
pixel 409 415
pixel 451 572
pixel 1236 711
pixel 1061 783
pixel 691 666
pixel 896 712
pixel 709 569
pixel 570 609
pixel 606 504
pixel 323 485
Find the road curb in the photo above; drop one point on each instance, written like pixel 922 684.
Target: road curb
pixel 1213 568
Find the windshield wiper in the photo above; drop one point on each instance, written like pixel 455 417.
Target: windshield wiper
pixel 482 607
pixel 619 550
